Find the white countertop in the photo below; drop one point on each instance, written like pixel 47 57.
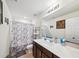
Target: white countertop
pixel 58 49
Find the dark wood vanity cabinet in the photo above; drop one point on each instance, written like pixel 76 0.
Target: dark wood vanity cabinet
pixel 41 52
pixel 34 50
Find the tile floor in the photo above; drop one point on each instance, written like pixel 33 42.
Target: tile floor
pixel 28 55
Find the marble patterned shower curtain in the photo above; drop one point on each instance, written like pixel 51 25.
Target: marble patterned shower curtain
pixel 21 35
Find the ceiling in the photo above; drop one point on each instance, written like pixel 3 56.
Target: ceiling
pixel 72 6
pixel 63 11
pixel 28 8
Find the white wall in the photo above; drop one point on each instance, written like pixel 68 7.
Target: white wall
pixel 59 32
pixel 4 32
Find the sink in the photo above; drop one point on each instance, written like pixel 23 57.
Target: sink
pixel 48 40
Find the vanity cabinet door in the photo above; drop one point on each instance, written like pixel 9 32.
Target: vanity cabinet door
pixel 38 53
pixel 34 50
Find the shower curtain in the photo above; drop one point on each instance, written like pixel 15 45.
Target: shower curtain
pixel 21 35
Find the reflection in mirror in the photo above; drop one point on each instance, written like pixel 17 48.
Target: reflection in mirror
pixel 72 30
pixel 46 31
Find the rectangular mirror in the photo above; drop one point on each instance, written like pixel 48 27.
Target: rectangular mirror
pixel 72 30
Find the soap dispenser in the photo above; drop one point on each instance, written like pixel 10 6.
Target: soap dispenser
pixel 62 40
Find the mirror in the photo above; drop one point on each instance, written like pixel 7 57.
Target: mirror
pixel 72 30
pixel 46 31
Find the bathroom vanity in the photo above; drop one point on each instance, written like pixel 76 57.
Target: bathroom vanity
pixel 44 49
pixel 41 52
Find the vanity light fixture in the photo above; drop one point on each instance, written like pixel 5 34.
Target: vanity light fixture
pixel 53 8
